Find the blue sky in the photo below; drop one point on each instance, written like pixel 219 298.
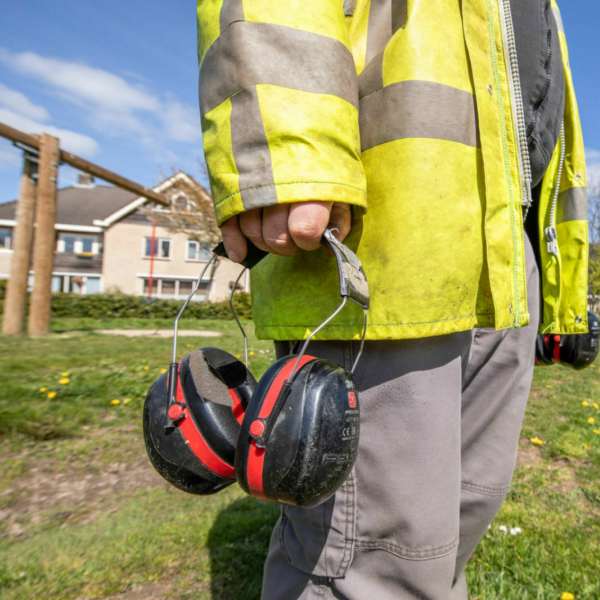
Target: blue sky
pixel 117 81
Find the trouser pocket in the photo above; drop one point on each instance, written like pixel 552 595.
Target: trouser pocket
pixel 320 540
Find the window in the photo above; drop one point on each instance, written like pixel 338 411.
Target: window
pixel 174 288
pixel 168 287
pixel 154 286
pixel 87 244
pixel 162 248
pixel 5 238
pixel 197 251
pixel 69 243
pixel 76 284
pixel 185 288
pixel 73 243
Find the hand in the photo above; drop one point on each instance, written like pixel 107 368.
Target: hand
pixel 284 229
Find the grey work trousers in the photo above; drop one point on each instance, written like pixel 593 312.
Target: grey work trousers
pixel 440 424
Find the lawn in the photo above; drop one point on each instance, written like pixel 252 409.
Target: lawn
pixel 83 515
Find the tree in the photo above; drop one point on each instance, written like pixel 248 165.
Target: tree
pixel 594 232
pixel 191 211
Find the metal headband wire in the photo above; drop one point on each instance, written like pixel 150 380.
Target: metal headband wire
pixel 198 282
pixel 236 317
pixel 306 342
pixel 330 318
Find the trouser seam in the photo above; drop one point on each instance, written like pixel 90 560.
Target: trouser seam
pixel 406 553
pixel 348 529
pixel 481 489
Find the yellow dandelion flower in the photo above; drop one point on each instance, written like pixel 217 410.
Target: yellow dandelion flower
pixel 126 400
pixel 251 353
pixel 189 345
pixel 64 374
pixel 586 447
pixel 595 406
pixel 64 381
pixel 591 420
pixel 567 596
pixel 146 368
pixel 115 402
pixel 163 371
pixel 225 326
pixel 549 387
pixel 585 403
pixel 51 395
pixel 537 441
pixel 43 389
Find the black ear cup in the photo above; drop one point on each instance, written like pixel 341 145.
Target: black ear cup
pixel 298 447
pixel 212 392
pixel 575 351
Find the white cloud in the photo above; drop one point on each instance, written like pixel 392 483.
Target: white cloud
pixel 119 106
pixel 69 140
pixel 81 81
pixel 18 102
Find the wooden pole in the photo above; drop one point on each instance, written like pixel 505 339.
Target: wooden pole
pixel 43 251
pixel 15 301
pixel 83 165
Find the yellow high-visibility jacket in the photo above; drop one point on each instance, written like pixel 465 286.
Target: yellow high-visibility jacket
pixel 410 111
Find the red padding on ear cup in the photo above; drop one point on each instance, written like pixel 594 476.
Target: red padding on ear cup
pixel 557 349
pixel 237 409
pixel 256 456
pixel 197 443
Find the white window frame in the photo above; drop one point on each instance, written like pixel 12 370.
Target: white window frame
pixel 178 294
pixel 78 244
pixel 197 252
pixel 159 240
pixel 67 280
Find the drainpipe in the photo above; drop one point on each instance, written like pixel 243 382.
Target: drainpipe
pixel 152 241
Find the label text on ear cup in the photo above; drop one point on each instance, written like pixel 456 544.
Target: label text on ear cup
pixel 336 459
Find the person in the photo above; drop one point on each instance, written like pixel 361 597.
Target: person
pixel 428 134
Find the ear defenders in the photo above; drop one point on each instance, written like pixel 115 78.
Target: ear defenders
pixel 192 414
pixel 299 436
pixel 576 351
pixel 299 431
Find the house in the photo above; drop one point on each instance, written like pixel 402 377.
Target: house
pixel 104 244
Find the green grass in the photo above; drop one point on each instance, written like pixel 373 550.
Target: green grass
pixel 101 368
pixel 214 547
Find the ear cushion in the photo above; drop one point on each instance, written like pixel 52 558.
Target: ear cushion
pixel 216 410
pixel 543 352
pixel 314 440
pixel 170 455
pixel 198 455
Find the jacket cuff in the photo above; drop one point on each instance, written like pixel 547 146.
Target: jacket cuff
pixel 291 193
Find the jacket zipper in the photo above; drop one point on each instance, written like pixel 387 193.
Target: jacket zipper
pixel 517 102
pixel 550 231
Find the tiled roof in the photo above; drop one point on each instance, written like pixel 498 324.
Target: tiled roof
pixel 81 206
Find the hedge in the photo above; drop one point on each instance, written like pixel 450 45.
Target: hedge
pixel 97 306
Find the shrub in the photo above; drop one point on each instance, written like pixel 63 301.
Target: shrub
pixel 115 306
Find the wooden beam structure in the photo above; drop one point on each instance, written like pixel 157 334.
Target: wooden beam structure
pixel 50 157
pixel 15 301
pixel 84 165
pixel 43 249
